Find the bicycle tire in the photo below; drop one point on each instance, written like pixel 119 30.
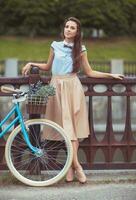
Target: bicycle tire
pixel 43 170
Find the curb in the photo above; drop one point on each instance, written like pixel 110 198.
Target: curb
pixel 93 177
pixel 111 176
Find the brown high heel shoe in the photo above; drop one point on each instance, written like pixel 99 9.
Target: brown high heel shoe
pixel 70 175
pixel 80 175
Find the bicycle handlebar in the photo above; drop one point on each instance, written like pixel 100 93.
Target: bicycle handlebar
pixel 9 90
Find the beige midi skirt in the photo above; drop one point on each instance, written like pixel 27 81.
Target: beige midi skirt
pixel 68 106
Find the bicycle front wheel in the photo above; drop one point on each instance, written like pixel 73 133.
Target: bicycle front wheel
pixel 47 167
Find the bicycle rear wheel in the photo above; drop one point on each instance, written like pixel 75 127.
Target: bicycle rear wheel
pixel 47 167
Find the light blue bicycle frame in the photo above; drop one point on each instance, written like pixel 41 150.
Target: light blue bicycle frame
pixel 18 118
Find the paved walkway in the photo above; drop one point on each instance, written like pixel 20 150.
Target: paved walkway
pixel 71 192
pixel 101 185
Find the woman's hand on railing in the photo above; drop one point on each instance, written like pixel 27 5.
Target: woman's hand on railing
pixel 26 68
pixel 117 76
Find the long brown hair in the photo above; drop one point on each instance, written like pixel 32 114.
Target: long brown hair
pixel 76 51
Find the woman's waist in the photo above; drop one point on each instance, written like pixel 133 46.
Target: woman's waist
pixel 64 76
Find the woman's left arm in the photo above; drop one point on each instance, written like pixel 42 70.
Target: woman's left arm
pixel 95 74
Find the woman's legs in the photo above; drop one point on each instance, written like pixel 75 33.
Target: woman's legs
pixel 75 162
pixel 75 167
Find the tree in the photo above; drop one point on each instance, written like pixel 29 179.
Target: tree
pixel 44 17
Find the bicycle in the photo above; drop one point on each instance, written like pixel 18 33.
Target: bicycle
pixel 33 160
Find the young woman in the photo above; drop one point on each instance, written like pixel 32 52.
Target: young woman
pixel 68 106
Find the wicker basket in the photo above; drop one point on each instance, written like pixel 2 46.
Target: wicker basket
pixel 36 104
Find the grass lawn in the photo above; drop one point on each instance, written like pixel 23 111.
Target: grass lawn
pixel 37 49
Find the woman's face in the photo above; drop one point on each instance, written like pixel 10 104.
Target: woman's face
pixel 70 30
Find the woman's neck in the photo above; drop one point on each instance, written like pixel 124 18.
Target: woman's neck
pixel 69 40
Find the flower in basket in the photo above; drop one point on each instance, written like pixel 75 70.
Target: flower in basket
pixel 39 93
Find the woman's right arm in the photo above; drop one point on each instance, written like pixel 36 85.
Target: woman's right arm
pixel 42 66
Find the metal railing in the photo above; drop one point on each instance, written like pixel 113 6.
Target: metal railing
pixel 112 141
